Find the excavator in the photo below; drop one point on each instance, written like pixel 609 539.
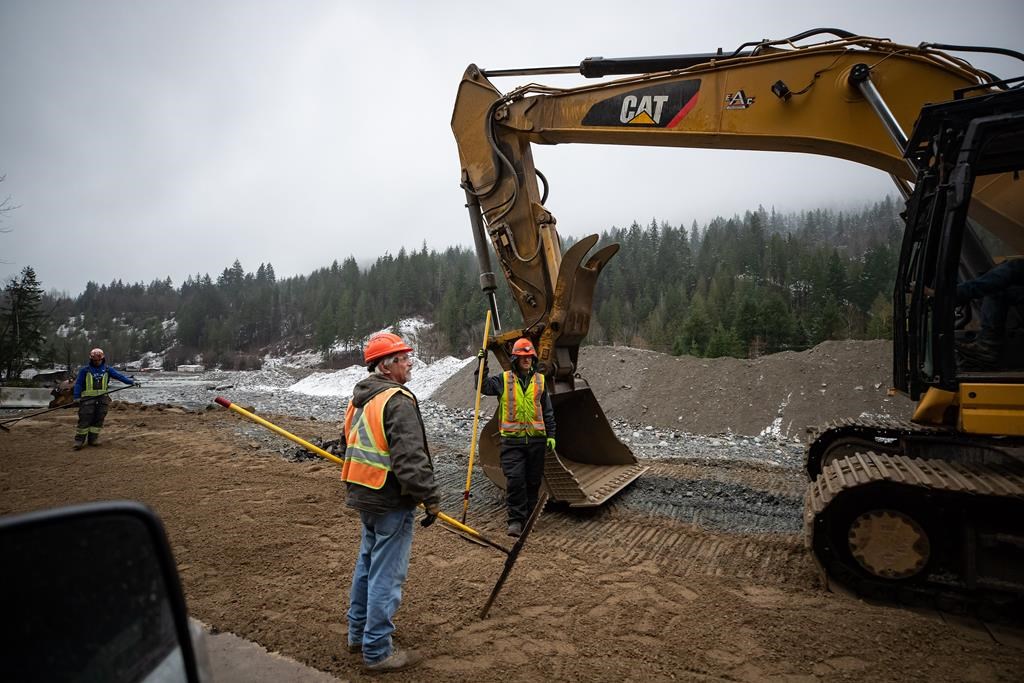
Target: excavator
pixel 928 510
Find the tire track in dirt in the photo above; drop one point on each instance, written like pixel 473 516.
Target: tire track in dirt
pixel 730 529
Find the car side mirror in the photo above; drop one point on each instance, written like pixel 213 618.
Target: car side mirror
pixel 91 593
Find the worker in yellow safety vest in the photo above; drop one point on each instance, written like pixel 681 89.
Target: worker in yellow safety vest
pixel 91 387
pixel 388 472
pixel 526 428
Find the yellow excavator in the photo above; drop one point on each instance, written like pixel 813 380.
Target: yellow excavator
pixel 924 510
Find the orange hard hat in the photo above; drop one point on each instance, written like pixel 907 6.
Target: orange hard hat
pixel 384 344
pixel 523 347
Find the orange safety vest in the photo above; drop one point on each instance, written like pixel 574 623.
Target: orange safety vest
pixel 367 455
pixel 521 412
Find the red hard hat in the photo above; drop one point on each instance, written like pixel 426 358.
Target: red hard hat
pixel 523 347
pixel 384 344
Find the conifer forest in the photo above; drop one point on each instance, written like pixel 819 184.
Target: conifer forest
pixel 742 286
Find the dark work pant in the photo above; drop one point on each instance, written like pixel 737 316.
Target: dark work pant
pixel 523 467
pixel 1001 287
pixel 91 413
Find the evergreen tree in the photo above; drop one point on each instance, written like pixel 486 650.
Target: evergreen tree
pixel 22 322
pixel 724 342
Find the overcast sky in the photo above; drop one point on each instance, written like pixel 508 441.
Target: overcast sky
pixel 142 140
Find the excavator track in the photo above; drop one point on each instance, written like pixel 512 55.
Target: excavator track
pixel 921 532
pixel 845 437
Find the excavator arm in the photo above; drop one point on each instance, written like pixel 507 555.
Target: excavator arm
pixel 852 98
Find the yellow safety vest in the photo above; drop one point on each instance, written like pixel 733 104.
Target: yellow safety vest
pixel 90 388
pixel 367 454
pixel 521 412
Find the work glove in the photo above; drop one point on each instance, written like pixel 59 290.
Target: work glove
pixel 551 443
pixel 431 512
pixel 481 354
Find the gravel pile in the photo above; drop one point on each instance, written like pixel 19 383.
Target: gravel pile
pixel 662 407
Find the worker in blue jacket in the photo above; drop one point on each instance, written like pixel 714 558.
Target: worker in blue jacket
pixel 91 394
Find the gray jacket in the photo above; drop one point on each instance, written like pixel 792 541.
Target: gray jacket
pixel 411 479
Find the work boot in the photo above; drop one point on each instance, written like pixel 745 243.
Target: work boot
pixel 79 444
pixel 354 648
pixel 94 440
pixel 979 355
pixel 397 661
pixel 515 529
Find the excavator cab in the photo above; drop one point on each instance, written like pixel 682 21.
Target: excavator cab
pixel 945 339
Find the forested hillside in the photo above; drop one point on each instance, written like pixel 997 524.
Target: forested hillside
pixel 740 286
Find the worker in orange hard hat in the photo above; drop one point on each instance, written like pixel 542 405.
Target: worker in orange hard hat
pixel 527 429
pixel 388 472
pixel 91 393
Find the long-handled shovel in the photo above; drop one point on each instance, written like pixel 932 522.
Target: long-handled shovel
pixel 511 553
pixel 476 416
pixel 3 425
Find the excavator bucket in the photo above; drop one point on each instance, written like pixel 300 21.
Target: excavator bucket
pixel 591 465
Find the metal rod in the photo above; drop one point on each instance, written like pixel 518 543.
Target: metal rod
pixel 66 405
pixel 598 67
pixel 861 77
pixel 488 281
pixel 536 71
pixel 476 417
pixel 514 554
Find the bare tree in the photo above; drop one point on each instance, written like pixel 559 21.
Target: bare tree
pixel 5 206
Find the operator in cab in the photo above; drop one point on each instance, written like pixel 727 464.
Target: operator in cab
pixel 1001 289
pixel 91 393
pixel 527 429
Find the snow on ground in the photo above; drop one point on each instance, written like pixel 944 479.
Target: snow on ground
pixel 302 359
pixel 774 430
pixel 408 329
pixel 425 378
pixel 338 383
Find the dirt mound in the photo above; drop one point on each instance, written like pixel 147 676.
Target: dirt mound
pixel 783 393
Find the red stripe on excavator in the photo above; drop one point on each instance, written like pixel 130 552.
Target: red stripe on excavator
pixel 684 111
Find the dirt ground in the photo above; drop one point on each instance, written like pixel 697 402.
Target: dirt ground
pixel 265 548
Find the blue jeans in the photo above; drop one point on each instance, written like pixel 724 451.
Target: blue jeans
pixel 377 581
